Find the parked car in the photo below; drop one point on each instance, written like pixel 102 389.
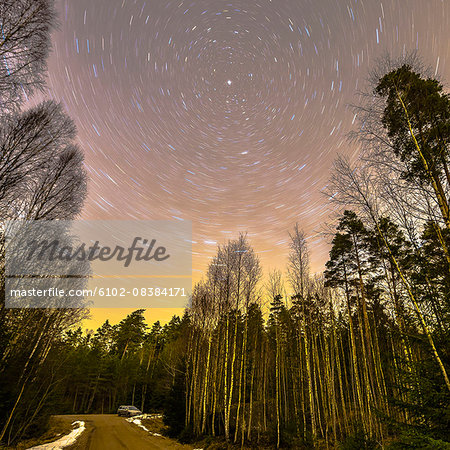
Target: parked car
pixel 128 411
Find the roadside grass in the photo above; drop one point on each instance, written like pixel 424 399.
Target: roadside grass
pixel 56 428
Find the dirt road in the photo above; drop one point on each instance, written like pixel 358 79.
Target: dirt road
pixel 110 432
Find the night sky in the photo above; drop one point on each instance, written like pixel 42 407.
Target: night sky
pixel 228 114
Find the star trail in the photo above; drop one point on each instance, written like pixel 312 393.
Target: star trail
pixel 228 114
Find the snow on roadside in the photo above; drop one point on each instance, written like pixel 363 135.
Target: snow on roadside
pixel 65 441
pixel 148 416
pixel 137 421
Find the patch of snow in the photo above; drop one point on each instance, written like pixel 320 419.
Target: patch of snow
pixel 149 416
pixel 137 421
pixel 65 441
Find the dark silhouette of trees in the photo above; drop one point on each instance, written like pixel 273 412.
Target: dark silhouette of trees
pixel 24 46
pixel 41 178
pixel 41 171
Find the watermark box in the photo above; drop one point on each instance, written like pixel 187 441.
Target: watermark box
pixel 93 263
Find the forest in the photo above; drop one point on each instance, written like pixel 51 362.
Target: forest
pixel 357 356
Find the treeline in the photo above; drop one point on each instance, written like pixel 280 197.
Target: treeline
pixel 343 357
pixel 121 364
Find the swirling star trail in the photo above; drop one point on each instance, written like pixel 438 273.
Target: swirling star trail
pixel 228 114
